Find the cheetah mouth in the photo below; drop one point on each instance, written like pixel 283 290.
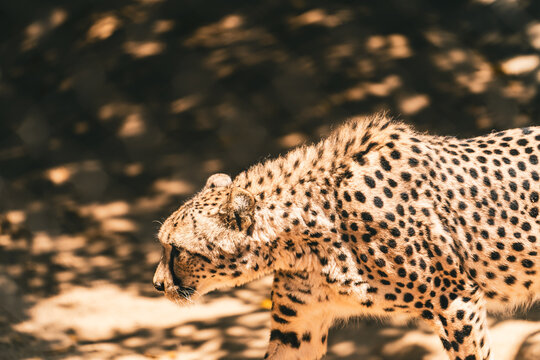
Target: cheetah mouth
pixel 182 295
pixel 183 291
pixel 180 288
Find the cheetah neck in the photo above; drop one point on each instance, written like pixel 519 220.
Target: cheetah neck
pixel 286 224
pixel 295 192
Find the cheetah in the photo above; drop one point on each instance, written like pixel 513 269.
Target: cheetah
pixel 375 219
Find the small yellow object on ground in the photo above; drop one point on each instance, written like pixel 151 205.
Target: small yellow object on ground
pixel 266 304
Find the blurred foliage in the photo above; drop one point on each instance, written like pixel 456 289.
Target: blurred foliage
pixel 112 112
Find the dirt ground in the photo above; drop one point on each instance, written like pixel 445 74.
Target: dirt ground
pixel 113 112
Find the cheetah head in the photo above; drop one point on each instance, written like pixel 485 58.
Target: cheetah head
pixel 207 243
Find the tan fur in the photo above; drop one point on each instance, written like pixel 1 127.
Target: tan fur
pixel 375 219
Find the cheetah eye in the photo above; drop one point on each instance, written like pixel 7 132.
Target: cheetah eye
pixel 238 220
pixel 175 251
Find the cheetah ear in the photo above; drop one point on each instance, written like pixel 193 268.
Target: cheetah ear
pixel 218 180
pixel 241 201
pixel 238 209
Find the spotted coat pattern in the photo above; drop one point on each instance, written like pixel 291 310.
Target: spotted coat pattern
pixel 375 219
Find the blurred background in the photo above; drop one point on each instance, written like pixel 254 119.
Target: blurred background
pixel 113 112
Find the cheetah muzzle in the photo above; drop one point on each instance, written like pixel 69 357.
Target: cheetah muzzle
pixel 375 219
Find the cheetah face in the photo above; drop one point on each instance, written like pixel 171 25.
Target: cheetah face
pixel 206 242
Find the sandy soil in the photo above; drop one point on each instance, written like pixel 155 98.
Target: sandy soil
pixel 105 321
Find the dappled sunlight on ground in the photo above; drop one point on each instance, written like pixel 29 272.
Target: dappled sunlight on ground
pixel 94 318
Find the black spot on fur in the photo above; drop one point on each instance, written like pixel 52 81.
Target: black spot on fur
pixel 286 338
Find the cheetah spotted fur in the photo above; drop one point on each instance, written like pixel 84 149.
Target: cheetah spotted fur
pixel 375 219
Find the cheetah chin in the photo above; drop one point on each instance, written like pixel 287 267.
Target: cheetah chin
pixel 375 219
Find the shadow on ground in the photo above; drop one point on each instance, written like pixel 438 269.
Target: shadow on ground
pixel 114 112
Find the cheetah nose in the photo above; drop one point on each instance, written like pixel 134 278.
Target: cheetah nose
pixel 159 286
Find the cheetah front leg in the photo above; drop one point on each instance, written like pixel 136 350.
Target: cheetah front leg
pixel 301 318
pixel 462 327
